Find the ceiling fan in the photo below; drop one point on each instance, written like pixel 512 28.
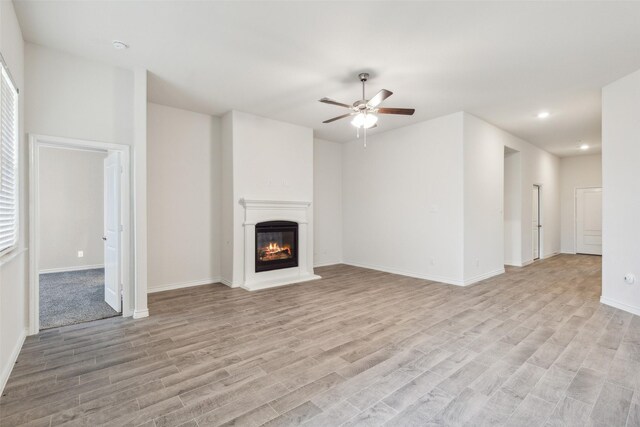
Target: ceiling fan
pixel 365 111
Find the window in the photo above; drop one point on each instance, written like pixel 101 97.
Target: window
pixel 8 163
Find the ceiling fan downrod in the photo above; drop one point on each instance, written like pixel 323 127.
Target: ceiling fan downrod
pixel 363 78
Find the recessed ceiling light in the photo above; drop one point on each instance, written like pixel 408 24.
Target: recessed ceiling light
pixel 543 114
pixel 117 44
pixel 584 147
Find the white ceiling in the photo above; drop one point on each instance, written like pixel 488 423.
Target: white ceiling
pixel 502 61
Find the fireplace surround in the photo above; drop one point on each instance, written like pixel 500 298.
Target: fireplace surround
pixel 276 213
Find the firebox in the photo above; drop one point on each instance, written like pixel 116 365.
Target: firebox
pixel 276 245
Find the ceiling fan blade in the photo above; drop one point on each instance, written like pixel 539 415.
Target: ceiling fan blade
pixel 403 111
pixel 379 97
pixel 332 102
pixel 337 118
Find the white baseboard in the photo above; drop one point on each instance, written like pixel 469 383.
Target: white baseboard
pixel 140 314
pixel 6 370
pixel 326 263
pixel 551 255
pixel 430 277
pixel 172 286
pixel 621 305
pixel 276 283
pixel 483 276
pixel 228 283
pixel 69 269
pixel 518 264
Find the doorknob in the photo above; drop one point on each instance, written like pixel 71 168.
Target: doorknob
pixel 104 238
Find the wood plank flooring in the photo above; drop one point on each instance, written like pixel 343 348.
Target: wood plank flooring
pixel 357 348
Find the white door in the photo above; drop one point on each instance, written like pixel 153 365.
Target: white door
pixel 535 222
pixel 589 221
pixel 112 170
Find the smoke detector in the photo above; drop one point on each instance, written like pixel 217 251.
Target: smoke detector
pixel 117 44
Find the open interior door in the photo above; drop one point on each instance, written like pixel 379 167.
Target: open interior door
pixel 112 230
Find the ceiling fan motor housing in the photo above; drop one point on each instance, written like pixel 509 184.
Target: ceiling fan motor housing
pixel 360 105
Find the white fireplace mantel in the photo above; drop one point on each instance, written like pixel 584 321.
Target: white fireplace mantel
pixel 256 211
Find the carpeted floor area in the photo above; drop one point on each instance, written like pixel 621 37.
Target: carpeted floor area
pixel 73 297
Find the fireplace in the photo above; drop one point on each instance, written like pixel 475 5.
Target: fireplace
pixel 276 245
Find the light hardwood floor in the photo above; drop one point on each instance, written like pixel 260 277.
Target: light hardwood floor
pixel 359 347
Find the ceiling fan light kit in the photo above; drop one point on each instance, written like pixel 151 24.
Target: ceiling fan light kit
pixel 364 120
pixel 365 111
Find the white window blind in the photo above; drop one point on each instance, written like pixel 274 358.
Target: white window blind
pixel 8 163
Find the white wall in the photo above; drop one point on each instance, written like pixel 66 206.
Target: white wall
pixel 69 96
pixel 575 172
pixel 13 267
pixel 71 189
pixel 621 192
pixel 402 200
pixel 427 200
pixel 512 208
pixel 271 160
pixel 484 169
pixel 74 97
pixel 327 202
pixel 184 193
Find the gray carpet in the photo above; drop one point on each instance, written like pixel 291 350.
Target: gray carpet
pixel 72 297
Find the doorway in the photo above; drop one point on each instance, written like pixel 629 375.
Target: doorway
pixel 589 221
pixel 536 225
pixel 79 242
pixel 512 208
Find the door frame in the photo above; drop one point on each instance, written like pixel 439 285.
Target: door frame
pixel 540 226
pixel 39 141
pixel 575 214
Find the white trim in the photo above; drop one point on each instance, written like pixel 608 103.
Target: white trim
pixel 8 257
pixel 71 269
pixel 622 306
pixel 531 261
pixel 429 277
pixel 327 263
pixel 228 283
pixel 189 284
pixel 274 204
pixel 519 264
pixel 140 314
pixel 128 263
pixel 483 276
pixel 266 284
pixel 6 371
